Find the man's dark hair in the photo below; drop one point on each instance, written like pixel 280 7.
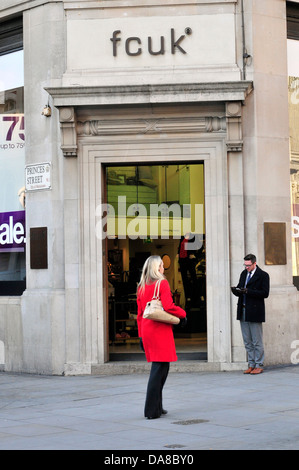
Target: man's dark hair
pixel 251 258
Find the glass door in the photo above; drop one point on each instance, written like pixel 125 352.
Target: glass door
pixel 150 209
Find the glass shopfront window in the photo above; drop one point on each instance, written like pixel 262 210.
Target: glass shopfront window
pixel 293 72
pixel 294 166
pixel 12 164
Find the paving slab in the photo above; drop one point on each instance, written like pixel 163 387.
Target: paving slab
pixel 206 411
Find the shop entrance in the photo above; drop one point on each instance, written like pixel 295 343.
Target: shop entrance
pixel 151 208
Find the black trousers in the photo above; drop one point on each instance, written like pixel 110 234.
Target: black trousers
pixel 156 381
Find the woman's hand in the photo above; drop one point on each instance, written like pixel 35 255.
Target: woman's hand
pixel 183 322
pixel 141 344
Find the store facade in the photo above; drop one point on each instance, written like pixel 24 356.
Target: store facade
pixel 132 109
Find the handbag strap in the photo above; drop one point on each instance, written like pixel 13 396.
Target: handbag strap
pixel 157 290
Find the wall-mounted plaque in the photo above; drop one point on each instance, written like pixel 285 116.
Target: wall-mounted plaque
pixel 39 248
pixel 275 243
pixel 38 176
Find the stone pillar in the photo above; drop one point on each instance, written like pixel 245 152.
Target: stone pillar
pixel 42 307
pixel 234 145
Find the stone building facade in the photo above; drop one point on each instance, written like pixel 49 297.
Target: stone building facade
pixel 113 86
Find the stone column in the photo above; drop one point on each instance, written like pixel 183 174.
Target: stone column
pixel 234 145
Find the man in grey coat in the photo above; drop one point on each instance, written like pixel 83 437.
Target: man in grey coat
pixel 253 288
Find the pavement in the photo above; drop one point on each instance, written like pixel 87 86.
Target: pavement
pixel 206 411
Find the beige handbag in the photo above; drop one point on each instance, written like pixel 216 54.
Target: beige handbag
pixel 155 311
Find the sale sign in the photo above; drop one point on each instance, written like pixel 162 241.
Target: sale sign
pixel 12 231
pixel 295 222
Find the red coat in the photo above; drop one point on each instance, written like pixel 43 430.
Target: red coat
pixel 157 338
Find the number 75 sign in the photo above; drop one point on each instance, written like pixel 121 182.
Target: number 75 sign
pixel 12 132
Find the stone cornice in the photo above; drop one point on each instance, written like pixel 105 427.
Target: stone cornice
pixel 12 7
pixel 77 4
pixel 142 94
pixel 67 99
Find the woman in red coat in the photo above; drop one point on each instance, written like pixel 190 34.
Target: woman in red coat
pixel 156 338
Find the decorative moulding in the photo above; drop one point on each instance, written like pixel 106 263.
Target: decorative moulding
pixel 67 119
pixel 232 93
pixel 151 126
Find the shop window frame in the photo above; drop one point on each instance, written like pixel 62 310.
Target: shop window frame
pixel 11 35
pixel 292 13
pixel 11 40
pixel 293 20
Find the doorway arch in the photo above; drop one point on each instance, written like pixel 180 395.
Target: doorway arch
pixel 123 142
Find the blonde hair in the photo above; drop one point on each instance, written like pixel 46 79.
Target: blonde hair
pixel 150 271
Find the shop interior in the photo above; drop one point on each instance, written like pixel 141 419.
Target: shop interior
pixel 150 210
